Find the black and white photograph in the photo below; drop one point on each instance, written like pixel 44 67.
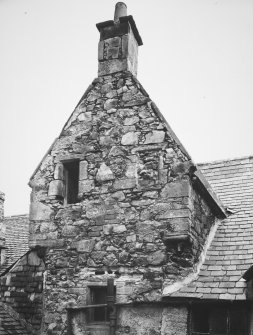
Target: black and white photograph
pixel 126 175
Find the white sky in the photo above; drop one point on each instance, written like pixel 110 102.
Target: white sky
pixel 196 63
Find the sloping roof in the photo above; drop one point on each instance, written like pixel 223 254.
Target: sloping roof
pixel 231 251
pixel 10 322
pixel 16 239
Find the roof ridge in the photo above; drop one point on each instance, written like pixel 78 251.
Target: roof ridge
pixel 225 160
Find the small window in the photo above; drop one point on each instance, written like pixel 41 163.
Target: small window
pixel 71 179
pixel 98 296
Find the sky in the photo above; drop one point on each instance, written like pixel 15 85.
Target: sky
pixel 196 64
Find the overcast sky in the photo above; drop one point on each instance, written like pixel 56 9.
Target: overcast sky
pixel 196 64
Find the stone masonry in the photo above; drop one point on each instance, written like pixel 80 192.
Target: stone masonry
pixel 138 216
pixel 22 287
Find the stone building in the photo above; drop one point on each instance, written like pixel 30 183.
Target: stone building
pixel 128 235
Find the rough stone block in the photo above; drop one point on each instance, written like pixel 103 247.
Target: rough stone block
pixel 116 228
pixel 85 186
pixel 113 52
pixel 114 42
pixel 104 173
pixel 33 259
pixel 58 171
pixel 122 184
pixel 124 46
pixel 156 136
pixel 157 258
pixel 131 238
pixel 112 66
pixel 56 188
pixel 173 213
pixel 181 225
pixel 129 121
pixel 101 50
pixel 84 245
pixel 180 188
pixel 130 138
pixel 83 170
pixel 110 103
pixel 69 230
pixel 39 211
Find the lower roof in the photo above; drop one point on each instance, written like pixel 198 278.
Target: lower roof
pixel 16 240
pixel 10 322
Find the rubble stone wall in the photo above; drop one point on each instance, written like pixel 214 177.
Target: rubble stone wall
pixel 138 216
pixel 139 320
pixel 22 286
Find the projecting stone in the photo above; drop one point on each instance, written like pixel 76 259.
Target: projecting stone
pixel 130 138
pixel 104 173
pixel 156 136
pixel 56 187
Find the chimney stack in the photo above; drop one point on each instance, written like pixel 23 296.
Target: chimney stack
pixel 118 45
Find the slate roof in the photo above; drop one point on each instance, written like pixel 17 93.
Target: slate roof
pixel 231 251
pixel 16 239
pixel 10 322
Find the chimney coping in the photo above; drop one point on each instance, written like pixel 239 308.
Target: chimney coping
pixel 122 19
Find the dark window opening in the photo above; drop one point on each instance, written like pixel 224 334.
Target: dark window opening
pixel 71 177
pixel 200 322
pixel 219 320
pixel 98 295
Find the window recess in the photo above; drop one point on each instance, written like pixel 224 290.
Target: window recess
pixel 71 180
pixel 219 320
pixel 98 297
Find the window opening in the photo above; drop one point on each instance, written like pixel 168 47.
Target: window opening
pixel 200 320
pixel 71 178
pixel 98 296
pixel 219 320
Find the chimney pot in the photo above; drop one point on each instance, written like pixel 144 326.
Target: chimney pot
pixel 120 10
